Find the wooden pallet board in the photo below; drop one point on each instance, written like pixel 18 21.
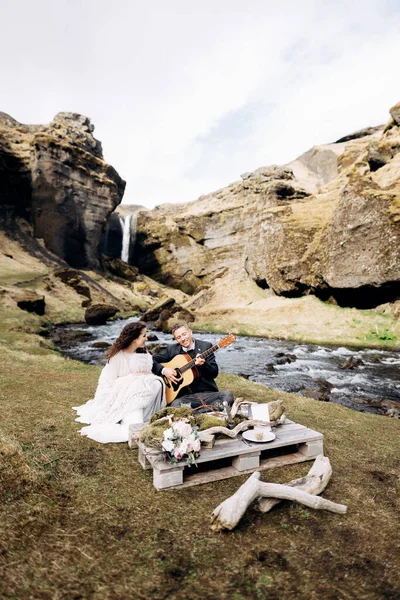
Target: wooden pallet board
pixel 293 443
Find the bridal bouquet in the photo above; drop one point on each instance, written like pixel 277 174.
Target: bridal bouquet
pixel 181 441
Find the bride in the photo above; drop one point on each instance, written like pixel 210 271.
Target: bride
pixel 127 391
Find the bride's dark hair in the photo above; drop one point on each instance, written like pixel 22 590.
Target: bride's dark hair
pixel 129 333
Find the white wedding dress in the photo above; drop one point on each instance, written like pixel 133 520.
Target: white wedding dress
pixel 127 392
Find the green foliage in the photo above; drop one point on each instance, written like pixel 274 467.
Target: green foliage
pixel 383 335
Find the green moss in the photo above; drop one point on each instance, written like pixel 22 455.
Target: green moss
pixel 206 421
pixel 181 412
pixel 152 435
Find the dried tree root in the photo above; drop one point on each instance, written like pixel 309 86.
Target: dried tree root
pixel 238 402
pixel 314 482
pixel 232 433
pixel 228 514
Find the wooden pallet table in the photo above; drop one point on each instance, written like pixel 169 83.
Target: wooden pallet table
pixel 294 443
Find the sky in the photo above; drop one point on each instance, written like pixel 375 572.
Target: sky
pixel 186 96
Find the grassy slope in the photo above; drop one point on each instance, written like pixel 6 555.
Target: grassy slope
pixel 82 520
pixel 247 310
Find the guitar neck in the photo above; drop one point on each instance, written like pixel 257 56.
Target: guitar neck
pixel 204 354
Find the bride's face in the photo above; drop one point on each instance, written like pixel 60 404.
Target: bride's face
pixel 141 340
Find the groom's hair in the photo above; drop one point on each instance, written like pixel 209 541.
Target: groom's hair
pixel 178 326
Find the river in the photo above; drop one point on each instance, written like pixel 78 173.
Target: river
pixel 372 384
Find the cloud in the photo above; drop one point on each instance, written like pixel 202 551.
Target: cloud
pixel 187 96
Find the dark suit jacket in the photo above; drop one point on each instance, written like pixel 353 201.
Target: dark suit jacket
pixel 207 372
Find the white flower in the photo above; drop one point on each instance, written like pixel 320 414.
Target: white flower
pixel 183 447
pixel 169 434
pixel 196 445
pixel 168 445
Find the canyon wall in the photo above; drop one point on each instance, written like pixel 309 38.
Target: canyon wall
pixel 326 224
pixel 54 176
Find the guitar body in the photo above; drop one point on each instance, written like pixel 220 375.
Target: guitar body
pixel 186 378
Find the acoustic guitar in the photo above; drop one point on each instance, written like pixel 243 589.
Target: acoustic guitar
pixel 186 369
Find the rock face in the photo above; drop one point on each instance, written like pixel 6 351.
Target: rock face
pixel 31 302
pixel 99 314
pixel 55 177
pixel 326 224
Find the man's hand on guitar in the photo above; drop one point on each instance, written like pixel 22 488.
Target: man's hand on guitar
pixel 170 374
pixel 199 360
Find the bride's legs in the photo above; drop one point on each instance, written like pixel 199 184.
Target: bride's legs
pixel 156 404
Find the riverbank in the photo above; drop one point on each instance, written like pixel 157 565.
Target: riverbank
pixel 249 310
pixel 81 519
pixel 362 379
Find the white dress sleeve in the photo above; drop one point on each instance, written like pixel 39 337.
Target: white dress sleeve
pixel 111 371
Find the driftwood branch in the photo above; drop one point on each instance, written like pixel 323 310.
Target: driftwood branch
pixel 232 433
pixel 228 514
pixel 314 482
pixel 237 403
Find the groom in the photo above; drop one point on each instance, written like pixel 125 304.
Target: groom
pixel 203 390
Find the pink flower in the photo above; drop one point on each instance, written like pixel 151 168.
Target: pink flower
pixel 183 429
pixel 178 455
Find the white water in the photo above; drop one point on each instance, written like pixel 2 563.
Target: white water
pixel 126 236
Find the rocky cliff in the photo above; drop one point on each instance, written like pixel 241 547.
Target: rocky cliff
pixel 326 224
pixel 54 176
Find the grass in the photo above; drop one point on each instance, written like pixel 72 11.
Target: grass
pixel 83 520
pixel 383 334
pixel 307 320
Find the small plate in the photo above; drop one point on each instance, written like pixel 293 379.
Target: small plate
pixel 250 435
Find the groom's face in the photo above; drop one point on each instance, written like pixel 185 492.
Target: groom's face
pixel 183 336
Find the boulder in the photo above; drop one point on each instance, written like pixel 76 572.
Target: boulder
pixel 351 363
pixel 118 267
pixel 163 311
pixel 283 359
pixel 391 408
pixel 320 390
pixel 65 338
pixel 99 314
pixel 382 152
pixel 154 313
pixel 152 337
pixel 100 345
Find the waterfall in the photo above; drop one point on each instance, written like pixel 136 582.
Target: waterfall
pixel 128 226
pixel 126 235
